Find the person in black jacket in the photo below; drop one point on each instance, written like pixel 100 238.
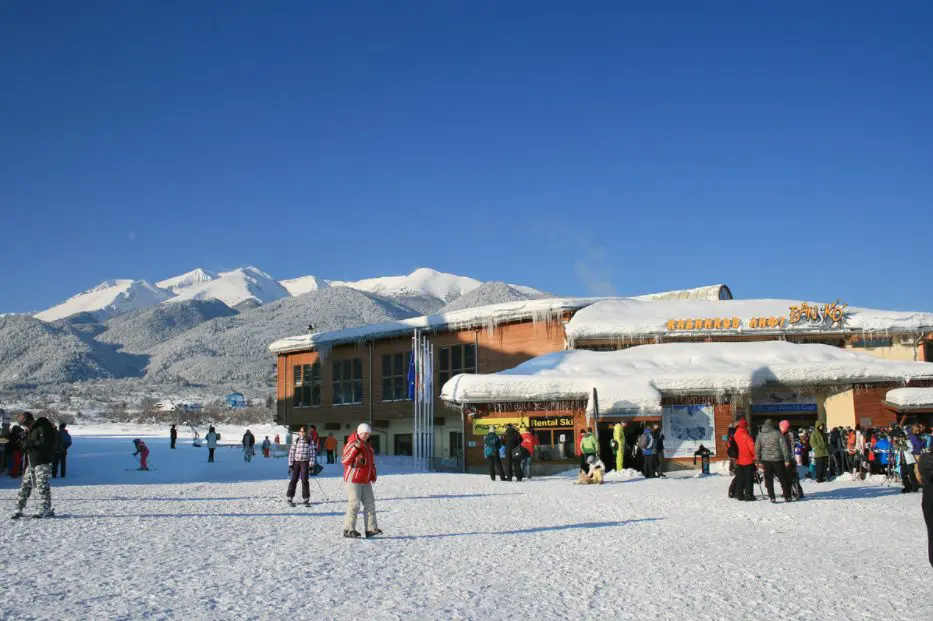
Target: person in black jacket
pixel 39 446
pixel 926 473
pixel 658 450
pixel 513 465
pixel 173 436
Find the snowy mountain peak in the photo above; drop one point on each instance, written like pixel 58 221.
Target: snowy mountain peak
pixel 421 282
pixel 245 284
pixel 108 299
pixel 303 284
pixel 188 279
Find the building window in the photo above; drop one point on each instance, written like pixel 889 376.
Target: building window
pixel 455 359
pixel 403 444
pixel 395 376
pixel 307 385
pixel 348 381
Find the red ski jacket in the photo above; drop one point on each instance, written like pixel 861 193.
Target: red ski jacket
pixel 529 442
pixel 359 461
pixel 746 445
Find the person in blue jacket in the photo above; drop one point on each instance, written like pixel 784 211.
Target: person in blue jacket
pixel 882 451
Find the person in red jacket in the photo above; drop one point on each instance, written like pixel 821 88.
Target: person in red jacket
pixel 359 474
pixel 745 463
pixel 529 441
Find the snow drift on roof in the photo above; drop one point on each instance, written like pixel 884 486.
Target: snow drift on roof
pixel 910 397
pixel 709 293
pixel 622 318
pixel 484 316
pixel 635 378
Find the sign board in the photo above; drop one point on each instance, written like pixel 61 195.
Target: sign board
pixel 550 422
pixel 686 427
pixel 780 408
pixel 816 315
pixel 481 425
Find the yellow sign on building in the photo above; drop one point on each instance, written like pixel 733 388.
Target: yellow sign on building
pixel 481 425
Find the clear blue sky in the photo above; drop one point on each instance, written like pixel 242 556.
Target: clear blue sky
pixel 784 148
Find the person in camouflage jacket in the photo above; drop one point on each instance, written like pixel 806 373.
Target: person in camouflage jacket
pixel 39 446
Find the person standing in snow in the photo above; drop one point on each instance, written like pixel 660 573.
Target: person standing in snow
pixel 491 445
pixel 745 463
pixel 172 437
pixel 618 445
pixel 266 445
pixel 211 440
pixel 330 445
pixel 359 474
pixel 39 446
pixel 659 450
pixel 249 445
pixel 529 441
pixel 792 476
pixel 60 455
pixel 143 451
pixel 772 453
pixel 925 468
pixel 646 444
pixel 513 453
pixel 302 456
pixel 588 448
pixel 820 451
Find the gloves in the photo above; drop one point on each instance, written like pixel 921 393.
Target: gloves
pixel 360 462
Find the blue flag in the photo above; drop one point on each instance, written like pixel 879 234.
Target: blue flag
pixel 411 377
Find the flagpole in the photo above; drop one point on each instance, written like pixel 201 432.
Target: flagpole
pixel 414 397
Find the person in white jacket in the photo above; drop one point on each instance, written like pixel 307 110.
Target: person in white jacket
pixel 211 440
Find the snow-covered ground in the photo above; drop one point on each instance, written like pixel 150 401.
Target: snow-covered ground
pixel 198 540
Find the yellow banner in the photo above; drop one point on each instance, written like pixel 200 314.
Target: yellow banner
pixel 481 425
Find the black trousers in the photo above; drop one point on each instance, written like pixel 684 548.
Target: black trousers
pixel 658 464
pixel 495 467
pixel 821 468
pixel 330 456
pixel 299 470
pixel 927 505
pixel 513 467
pixel 909 477
pixel 172 445
pixel 745 482
pixel 59 459
pixel 210 455
pixel 649 465
pixel 778 468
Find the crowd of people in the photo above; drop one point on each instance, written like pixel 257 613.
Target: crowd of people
pixel 820 455
pixel 514 448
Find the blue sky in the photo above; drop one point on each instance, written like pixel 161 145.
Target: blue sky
pixel 783 148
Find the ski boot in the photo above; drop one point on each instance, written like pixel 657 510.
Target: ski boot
pixel 291 503
pixel 16 515
pixel 50 512
pixel 351 534
pixel 307 503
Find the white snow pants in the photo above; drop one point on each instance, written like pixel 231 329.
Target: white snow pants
pixel 359 493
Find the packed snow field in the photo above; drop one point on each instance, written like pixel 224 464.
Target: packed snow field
pixel 198 540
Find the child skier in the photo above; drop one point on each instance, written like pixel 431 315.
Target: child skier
pixel 143 451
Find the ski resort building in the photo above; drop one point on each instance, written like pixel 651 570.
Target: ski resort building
pixel 337 379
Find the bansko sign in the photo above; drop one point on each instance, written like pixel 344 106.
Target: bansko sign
pixel 803 313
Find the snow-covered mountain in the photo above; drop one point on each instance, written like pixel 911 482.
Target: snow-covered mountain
pixel 243 285
pixel 197 276
pixel 304 284
pixel 108 299
pixel 422 282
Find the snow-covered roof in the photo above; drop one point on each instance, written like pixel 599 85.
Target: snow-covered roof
pixel 711 292
pixel 626 318
pixel 635 378
pixel 910 398
pixel 481 316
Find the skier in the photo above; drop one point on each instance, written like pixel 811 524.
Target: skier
pixel 745 463
pixel 513 453
pixel 39 445
pixel 302 456
pixel 491 446
pixel 359 473
pixel 265 447
pixel 211 439
pixel 773 455
pixel 646 445
pixel 249 444
pixel 529 441
pixel 62 444
pixel 143 451
pixel 173 436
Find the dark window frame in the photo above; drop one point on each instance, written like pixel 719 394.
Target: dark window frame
pixel 306 385
pixel 348 380
pixel 395 376
pixel 454 359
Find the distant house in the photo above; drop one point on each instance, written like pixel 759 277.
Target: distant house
pixel 235 400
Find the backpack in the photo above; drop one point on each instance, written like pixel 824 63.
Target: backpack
pixel 732 449
pixel 492 443
pixel 646 441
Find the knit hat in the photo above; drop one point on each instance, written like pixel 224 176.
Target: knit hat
pixel 363 428
pixel 741 424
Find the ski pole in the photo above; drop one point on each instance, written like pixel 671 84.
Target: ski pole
pixel 321 487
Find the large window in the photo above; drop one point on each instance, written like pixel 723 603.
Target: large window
pixel 455 359
pixel 348 381
pixel 395 376
pixel 307 385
